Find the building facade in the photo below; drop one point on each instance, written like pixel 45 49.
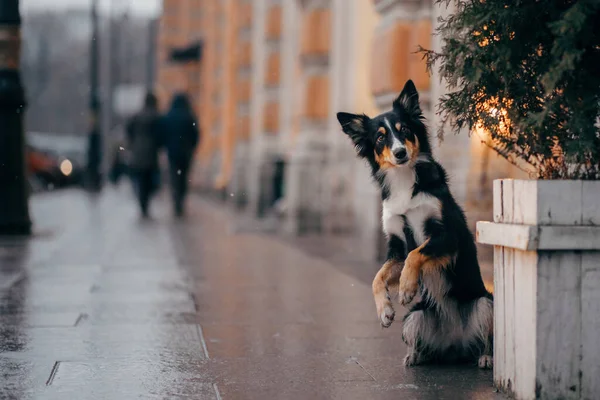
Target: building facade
pixel 272 76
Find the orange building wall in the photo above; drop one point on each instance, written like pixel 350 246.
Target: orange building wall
pixel 315 44
pixel 272 71
pixel 400 40
pixel 317 98
pixel 316 32
pixel 273 24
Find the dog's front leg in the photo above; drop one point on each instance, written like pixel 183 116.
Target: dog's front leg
pixel 390 272
pixel 387 276
pixel 409 280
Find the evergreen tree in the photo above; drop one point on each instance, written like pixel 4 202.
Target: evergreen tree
pixel 527 72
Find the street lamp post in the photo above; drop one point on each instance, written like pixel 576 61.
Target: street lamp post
pixel 95 138
pixel 14 207
pixel 151 55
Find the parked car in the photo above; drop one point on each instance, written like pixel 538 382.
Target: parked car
pixel 55 161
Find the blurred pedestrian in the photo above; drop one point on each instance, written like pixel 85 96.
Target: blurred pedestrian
pixel 143 136
pixel 181 136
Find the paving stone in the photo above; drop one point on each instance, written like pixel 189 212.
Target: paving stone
pixel 157 379
pixel 104 342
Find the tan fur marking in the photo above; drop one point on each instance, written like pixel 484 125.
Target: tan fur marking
pixel 413 149
pixel 385 159
pixel 381 130
pixel 386 276
pixel 417 263
pixel 398 126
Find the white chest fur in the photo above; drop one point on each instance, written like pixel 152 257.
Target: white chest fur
pixel 401 204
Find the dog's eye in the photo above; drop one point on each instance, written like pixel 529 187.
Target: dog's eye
pixel 380 139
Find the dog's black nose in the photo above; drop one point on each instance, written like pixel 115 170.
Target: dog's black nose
pixel 400 153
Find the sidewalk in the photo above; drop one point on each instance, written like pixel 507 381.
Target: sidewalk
pixel 101 305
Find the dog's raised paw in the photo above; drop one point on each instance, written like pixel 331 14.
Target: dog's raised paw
pixel 486 362
pixel 409 285
pixel 406 296
pixel 386 316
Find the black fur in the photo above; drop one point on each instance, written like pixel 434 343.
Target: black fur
pixel 397 248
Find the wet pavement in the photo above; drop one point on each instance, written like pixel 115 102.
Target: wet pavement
pixel 102 305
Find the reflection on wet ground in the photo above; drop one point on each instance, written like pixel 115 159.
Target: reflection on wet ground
pixel 102 305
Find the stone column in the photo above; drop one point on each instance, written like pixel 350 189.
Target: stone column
pixel 239 183
pixel 290 86
pixel 217 74
pixel 228 75
pixel 306 172
pixel 264 109
pixel 208 115
pixel 351 197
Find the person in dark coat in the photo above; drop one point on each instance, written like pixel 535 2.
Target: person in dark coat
pixel 143 136
pixel 181 136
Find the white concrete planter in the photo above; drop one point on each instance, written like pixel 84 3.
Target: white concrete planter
pixel 546 237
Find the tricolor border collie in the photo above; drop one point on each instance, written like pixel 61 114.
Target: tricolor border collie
pixel 431 251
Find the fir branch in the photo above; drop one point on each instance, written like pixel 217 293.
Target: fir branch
pixel 535 63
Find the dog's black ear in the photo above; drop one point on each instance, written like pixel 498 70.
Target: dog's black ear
pixel 408 100
pixel 355 126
